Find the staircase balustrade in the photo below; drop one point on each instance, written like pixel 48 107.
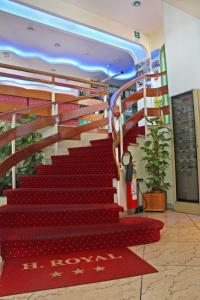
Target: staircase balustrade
pixel 48 112
pixel 118 107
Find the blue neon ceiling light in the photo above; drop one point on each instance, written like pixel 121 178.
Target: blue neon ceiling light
pixel 30 83
pixel 137 51
pixel 63 60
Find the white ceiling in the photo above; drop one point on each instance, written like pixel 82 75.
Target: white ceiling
pixel 145 18
pixel 191 7
pixel 13 31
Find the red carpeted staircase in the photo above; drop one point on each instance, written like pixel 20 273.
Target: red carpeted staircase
pixel 69 206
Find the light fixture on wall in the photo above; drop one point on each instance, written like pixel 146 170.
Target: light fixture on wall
pixel 136 3
pixel 57 45
pixel 30 28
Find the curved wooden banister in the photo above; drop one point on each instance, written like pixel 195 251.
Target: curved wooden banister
pixel 139 115
pixel 128 102
pixel 132 99
pixel 156 92
pixel 150 92
pixel 158 111
pixel 25 129
pixel 38 146
pixel 28 128
pixel 52 75
pixel 50 82
pixel 30 109
pixel 123 88
pixel 130 84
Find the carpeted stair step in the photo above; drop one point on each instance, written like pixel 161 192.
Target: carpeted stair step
pixel 36 241
pixel 92 154
pixel 80 159
pixel 62 168
pixel 102 143
pixel 60 196
pixel 58 215
pixel 130 140
pixel 66 181
pixel 90 150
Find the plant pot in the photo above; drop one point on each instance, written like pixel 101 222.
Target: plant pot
pixel 154 201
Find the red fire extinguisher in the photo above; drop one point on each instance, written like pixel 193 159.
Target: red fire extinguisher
pixel 131 182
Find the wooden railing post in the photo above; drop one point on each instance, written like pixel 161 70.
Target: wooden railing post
pixel 54 111
pixel 145 104
pixel 13 125
pixel 120 127
pixel 105 99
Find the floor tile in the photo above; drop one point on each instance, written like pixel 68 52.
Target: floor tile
pixel 121 289
pixel 172 283
pixel 173 253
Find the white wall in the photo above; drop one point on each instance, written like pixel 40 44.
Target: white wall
pixel 156 39
pixel 182 40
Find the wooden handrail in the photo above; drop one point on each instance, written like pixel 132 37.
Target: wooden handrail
pixel 158 111
pixel 127 103
pixel 123 88
pixel 25 129
pixel 156 92
pixel 53 75
pixel 50 82
pixel 132 99
pixel 139 115
pixel 130 84
pixel 71 100
pixel 38 146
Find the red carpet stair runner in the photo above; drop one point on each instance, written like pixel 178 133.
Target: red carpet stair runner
pixel 69 206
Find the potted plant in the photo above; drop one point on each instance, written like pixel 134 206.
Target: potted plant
pixel 157 157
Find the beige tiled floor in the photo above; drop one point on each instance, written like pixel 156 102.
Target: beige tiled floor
pixel 176 256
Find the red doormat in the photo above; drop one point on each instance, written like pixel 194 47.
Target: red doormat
pixel 21 275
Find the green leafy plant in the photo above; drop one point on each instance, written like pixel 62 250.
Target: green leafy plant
pixel 157 155
pixel 27 166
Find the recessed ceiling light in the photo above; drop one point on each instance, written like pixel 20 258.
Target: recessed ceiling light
pixel 136 3
pixel 30 28
pixel 57 45
pixel 6 54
